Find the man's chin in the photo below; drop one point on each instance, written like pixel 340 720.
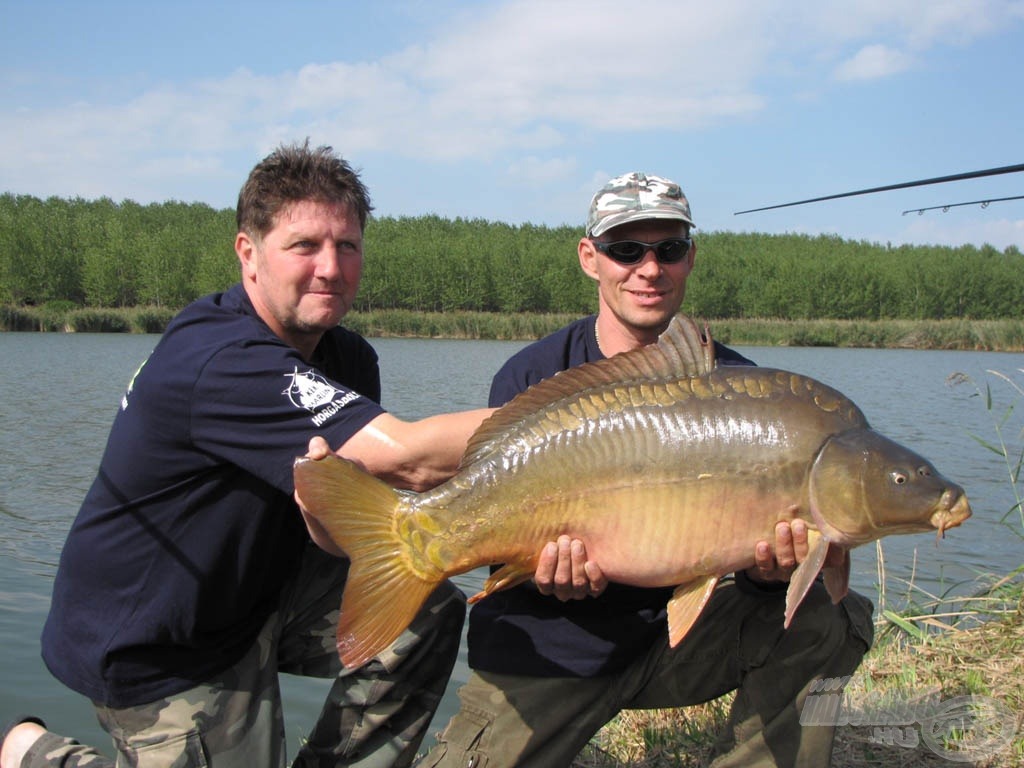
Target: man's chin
pixel 318 324
pixel 654 316
pixel 325 316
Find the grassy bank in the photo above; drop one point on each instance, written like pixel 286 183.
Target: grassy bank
pixel 992 335
pixel 931 674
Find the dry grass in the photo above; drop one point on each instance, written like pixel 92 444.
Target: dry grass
pixel 984 662
pixel 930 673
pixel 657 738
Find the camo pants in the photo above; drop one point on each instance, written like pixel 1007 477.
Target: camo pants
pixel 738 643
pixel 374 716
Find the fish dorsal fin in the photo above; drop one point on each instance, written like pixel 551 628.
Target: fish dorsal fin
pixel 681 352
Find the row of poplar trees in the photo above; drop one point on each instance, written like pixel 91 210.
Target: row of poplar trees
pixel 100 253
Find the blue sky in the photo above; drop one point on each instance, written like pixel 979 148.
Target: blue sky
pixel 518 111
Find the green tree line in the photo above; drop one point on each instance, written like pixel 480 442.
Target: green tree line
pixel 102 254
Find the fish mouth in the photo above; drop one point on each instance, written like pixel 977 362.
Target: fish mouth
pixel 953 510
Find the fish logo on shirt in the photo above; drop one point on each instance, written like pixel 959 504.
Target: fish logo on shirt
pixel 309 390
pixel 312 392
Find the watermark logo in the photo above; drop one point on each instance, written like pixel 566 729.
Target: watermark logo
pixel 961 729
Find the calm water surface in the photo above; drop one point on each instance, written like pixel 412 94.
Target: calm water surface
pixel 59 393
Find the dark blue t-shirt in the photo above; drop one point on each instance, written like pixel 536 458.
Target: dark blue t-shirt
pixel 521 632
pixel 184 541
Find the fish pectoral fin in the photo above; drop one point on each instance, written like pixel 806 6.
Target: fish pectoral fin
pixel 805 574
pixel 506 577
pixel 686 605
pixel 837 578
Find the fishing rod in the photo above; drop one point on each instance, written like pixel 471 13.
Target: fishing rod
pixel 903 185
pixel 982 203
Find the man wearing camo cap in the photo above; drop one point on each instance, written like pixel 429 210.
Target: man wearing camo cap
pixel 635 197
pixel 553 661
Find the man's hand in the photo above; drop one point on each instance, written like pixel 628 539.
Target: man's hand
pixel 790 550
pixel 564 571
pixel 318 449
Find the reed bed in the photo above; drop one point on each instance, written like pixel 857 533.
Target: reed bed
pixel 1005 335
pixel 67 317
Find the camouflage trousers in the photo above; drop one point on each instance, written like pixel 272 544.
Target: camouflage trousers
pixel 375 716
pixel 738 644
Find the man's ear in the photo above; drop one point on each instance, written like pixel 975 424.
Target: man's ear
pixel 588 257
pixel 245 249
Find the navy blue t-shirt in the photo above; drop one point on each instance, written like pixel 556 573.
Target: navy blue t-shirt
pixel 519 631
pixel 184 541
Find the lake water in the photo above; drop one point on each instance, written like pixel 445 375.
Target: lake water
pixel 59 393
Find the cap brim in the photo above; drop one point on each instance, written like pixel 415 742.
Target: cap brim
pixel 628 217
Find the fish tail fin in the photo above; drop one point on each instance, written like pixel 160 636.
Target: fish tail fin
pixel 376 607
pixel 382 593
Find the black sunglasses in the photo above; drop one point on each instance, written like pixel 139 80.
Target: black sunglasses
pixel 671 250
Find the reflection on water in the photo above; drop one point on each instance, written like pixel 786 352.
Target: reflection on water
pixel 60 393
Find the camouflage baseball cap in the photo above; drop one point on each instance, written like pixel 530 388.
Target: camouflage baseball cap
pixel 634 197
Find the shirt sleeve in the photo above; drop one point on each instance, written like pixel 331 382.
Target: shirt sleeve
pixel 257 406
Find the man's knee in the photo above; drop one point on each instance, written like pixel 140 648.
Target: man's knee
pixel 433 638
pixel 463 741
pixel 860 615
pixel 445 609
pixel 835 635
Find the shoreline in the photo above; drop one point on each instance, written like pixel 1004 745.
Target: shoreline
pixel 1003 335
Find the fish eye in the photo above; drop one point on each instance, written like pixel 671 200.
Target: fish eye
pixel 899 478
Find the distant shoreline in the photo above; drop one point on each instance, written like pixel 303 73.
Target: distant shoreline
pixel 1006 335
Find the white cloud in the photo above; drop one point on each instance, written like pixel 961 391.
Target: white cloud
pixel 916 24
pixel 873 62
pixel 522 82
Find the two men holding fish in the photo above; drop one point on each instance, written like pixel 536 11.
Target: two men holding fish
pixel 629 438
pixel 187 581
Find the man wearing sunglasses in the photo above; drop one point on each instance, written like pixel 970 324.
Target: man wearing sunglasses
pixel 555 660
